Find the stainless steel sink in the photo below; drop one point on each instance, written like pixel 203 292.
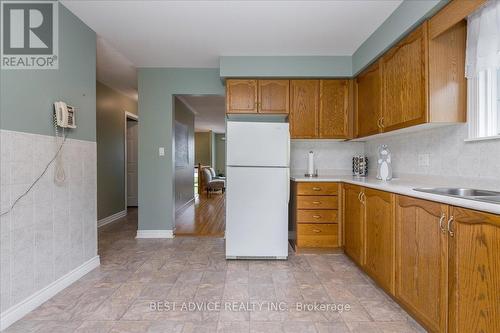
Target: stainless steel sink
pixel 464 193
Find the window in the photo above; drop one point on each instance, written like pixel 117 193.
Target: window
pixel 482 70
pixel 484 104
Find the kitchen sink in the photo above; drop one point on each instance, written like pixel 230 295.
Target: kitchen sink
pixel 464 193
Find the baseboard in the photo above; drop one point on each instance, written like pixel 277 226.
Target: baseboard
pixel 16 312
pixel 182 208
pixel 155 234
pixel 111 218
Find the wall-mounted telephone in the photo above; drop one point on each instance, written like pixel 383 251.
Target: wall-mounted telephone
pixel 65 115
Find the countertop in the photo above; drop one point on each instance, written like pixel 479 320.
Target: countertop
pixel 405 186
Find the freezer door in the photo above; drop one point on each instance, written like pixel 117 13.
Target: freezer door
pixel 257 144
pixel 257 212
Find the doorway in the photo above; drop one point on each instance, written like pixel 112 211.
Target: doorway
pixel 131 160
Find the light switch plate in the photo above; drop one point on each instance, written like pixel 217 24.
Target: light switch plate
pixel 423 160
pixel 161 151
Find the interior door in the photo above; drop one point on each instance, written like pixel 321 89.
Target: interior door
pixel 422 260
pixel 379 240
pixel 474 271
pixel 353 223
pixel 132 145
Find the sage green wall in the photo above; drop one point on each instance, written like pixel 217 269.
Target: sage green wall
pixel 184 175
pixel 203 152
pixel 27 96
pixel 110 107
pixel 220 153
pixel 157 87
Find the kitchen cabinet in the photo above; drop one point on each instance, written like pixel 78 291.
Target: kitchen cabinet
pixel 335 109
pixel 304 109
pixel 274 96
pixel 379 240
pixel 353 223
pixel 369 101
pixel 474 271
pixel 241 96
pixel 404 82
pixel 314 215
pixel 421 260
pixel 257 96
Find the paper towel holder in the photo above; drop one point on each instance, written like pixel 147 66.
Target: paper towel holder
pixel 315 174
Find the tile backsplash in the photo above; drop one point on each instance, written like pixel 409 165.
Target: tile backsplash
pixel 53 229
pixel 449 155
pixel 328 155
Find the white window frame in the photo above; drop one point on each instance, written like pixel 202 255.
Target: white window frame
pixel 483 104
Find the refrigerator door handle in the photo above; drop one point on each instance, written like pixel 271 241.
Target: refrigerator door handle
pixel 288 149
pixel 288 185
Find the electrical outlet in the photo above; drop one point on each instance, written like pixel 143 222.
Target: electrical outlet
pixel 423 160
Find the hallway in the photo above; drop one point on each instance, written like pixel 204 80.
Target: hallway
pixel 204 218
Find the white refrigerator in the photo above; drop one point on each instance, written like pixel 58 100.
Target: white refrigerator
pixel 257 190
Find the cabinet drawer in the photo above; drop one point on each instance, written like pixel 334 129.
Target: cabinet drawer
pixel 317 216
pixel 317 188
pixel 317 235
pixel 317 202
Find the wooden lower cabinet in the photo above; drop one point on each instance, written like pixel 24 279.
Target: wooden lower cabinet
pixel 379 236
pixel 421 260
pixel 314 215
pixel 474 271
pixel 353 223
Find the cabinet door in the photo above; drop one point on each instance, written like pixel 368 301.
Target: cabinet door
pixel 334 109
pixel 474 272
pixel 379 237
pixel 274 96
pixel 421 260
pixel 369 101
pixel 304 109
pixel 241 96
pixel 353 224
pixel 404 82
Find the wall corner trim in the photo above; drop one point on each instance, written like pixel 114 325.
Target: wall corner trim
pixel 16 312
pixel 111 218
pixel 155 234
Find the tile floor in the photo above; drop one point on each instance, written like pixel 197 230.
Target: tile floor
pixel 137 275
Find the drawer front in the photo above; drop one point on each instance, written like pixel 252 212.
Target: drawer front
pixel 317 202
pixel 317 216
pixel 317 235
pixel 317 188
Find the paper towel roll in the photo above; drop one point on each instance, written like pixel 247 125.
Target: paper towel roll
pixel 310 164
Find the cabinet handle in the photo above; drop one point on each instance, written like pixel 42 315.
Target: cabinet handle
pixel 363 198
pixel 317 216
pixel 316 202
pixel 359 197
pixel 316 188
pixel 450 230
pixel 316 230
pixel 441 220
pixel 379 124
pixel 382 122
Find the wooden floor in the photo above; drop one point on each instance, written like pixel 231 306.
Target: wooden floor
pixel 205 218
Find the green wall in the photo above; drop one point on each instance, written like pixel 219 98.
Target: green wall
pixel 203 152
pixel 111 106
pixel 220 153
pixel 27 96
pixel 157 87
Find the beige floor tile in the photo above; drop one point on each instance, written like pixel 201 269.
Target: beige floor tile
pixel 336 327
pixel 266 327
pixel 233 327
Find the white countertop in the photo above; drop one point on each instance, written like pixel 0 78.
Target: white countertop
pixel 405 186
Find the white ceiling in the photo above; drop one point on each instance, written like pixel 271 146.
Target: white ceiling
pixel 196 33
pixel 209 110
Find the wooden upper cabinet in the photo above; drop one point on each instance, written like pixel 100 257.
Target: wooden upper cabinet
pixel 274 96
pixel 335 109
pixel 304 109
pixel 474 272
pixel 353 223
pixel 421 260
pixel 369 101
pixel 404 82
pixel 379 233
pixel 241 96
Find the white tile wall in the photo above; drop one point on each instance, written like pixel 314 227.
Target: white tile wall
pixel 449 154
pixel 54 228
pixel 329 156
